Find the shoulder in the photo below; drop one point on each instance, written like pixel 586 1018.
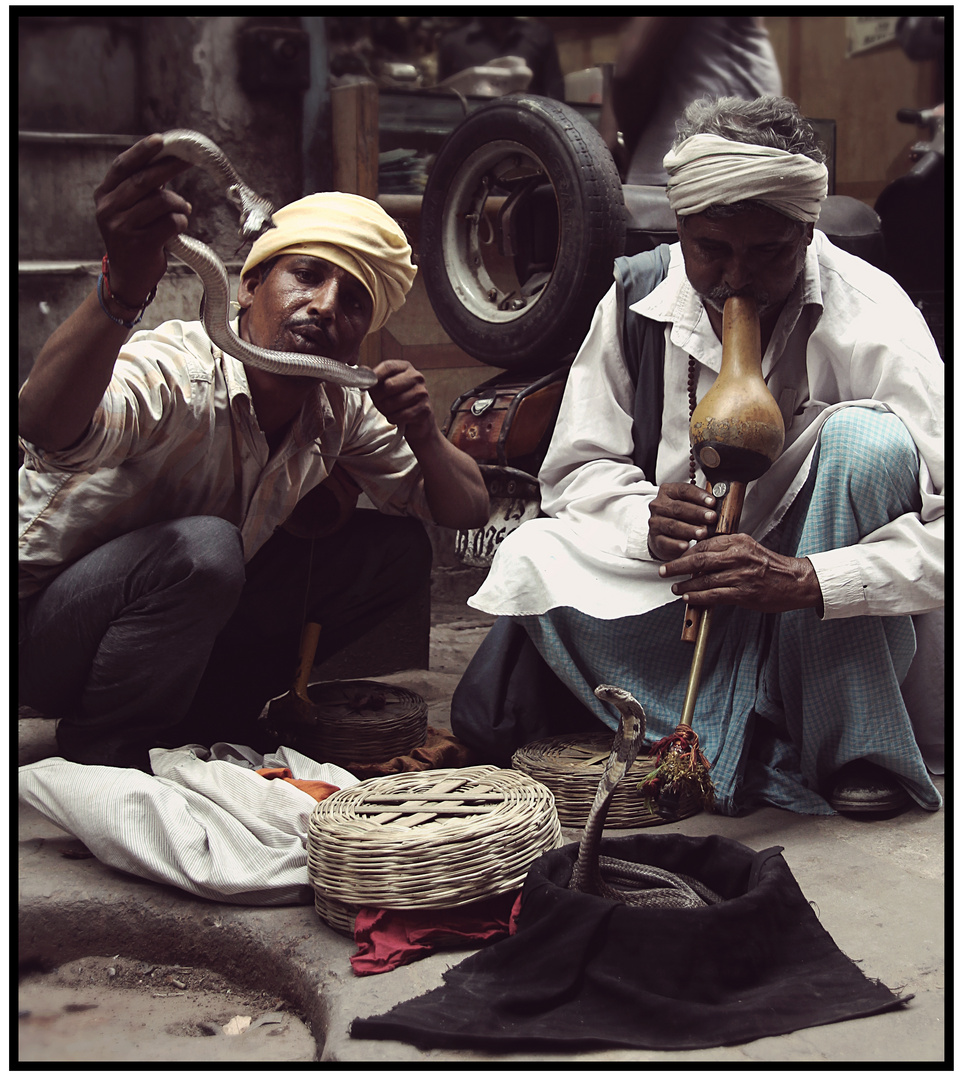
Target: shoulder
pixel 638 274
pixel 863 306
pixel 869 301
pixel 843 273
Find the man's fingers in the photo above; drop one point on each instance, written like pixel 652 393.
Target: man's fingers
pixel 139 169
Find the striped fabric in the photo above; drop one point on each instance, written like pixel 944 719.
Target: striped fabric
pixel 205 822
pixel 785 700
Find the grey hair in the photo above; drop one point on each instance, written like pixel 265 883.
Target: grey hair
pixel 765 121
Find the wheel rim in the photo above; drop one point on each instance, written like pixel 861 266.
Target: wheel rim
pixel 485 192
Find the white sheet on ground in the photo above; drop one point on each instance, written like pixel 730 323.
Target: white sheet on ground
pixel 205 821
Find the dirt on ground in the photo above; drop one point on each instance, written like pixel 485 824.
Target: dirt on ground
pixel 117 1009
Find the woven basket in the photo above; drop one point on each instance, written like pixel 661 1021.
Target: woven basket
pixel 433 839
pixel 360 721
pixel 572 767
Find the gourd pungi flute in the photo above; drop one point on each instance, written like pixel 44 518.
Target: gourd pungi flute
pixel 737 433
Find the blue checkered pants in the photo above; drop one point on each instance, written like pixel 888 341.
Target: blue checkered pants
pixel 785 699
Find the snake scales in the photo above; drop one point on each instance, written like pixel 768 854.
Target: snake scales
pixel 631 883
pixel 255 216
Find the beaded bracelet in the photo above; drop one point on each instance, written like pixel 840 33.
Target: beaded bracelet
pixel 103 284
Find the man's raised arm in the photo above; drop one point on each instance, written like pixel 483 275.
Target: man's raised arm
pixel 136 215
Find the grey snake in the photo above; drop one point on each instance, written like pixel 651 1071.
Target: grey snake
pixel 255 216
pixel 635 884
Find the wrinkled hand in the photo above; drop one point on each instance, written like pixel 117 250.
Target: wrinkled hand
pixel 137 215
pixel 680 513
pixel 737 570
pixel 401 395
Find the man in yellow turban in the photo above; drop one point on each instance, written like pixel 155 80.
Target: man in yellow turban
pixel 159 470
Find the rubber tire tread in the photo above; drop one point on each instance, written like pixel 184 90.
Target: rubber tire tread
pixel 592 231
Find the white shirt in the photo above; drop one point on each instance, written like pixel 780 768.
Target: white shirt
pixel 176 435
pixel 848 334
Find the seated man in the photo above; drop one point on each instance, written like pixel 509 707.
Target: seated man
pixel 161 602
pixel 840 541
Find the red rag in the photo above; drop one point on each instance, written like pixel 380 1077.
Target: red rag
pixel 387 938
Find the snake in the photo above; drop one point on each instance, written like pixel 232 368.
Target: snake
pixel 255 216
pixel 626 882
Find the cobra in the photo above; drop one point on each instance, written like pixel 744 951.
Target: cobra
pixel 255 216
pixel 635 884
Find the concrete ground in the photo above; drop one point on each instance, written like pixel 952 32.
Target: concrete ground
pixel 185 967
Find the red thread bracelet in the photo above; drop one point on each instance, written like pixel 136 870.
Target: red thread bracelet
pixel 111 295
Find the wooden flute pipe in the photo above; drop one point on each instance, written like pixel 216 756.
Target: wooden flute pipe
pixel 729 504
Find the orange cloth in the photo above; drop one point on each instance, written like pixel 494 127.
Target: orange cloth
pixel 317 789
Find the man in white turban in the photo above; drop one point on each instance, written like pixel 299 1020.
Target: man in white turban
pixel 824 598
pixel 183 513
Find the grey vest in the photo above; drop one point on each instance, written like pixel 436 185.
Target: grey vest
pixel 635 276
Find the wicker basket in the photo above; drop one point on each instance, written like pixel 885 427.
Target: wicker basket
pixel 433 839
pixel 572 767
pixel 360 721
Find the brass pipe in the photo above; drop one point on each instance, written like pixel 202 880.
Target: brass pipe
pixel 694 678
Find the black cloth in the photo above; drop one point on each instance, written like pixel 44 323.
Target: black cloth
pixel 587 973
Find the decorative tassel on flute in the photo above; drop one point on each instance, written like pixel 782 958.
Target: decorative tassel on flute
pixel 737 433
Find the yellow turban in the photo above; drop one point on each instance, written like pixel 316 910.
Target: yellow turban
pixel 351 232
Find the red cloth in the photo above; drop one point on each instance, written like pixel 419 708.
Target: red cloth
pixel 317 789
pixel 387 939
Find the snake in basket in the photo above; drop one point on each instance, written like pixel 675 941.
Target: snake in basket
pixel 635 884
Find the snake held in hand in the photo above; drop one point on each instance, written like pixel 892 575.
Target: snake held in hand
pixel 255 214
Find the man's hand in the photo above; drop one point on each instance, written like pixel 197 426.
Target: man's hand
pixel 680 513
pixel 401 395
pixel 137 215
pixel 737 570
pixel 453 484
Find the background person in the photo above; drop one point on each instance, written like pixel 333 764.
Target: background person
pixel 667 61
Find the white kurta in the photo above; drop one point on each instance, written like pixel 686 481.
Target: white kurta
pixel 848 335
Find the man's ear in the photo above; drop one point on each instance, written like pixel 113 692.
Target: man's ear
pixel 808 232
pixel 248 286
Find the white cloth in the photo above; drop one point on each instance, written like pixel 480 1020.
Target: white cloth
pixel 176 435
pixel 849 334
pixel 205 822
pixel 706 170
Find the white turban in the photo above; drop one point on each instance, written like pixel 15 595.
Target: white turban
pixel 706 170
pixel 351 232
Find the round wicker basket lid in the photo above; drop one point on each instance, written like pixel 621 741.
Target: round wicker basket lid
pixel 572 767
pixel 361 720
pixel 432 839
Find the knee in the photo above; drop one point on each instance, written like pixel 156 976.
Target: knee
pixel 858 442
pixel 208 554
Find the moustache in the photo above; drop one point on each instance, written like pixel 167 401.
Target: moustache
pixel 717 297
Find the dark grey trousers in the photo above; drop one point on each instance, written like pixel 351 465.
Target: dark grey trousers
pixel 163 636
